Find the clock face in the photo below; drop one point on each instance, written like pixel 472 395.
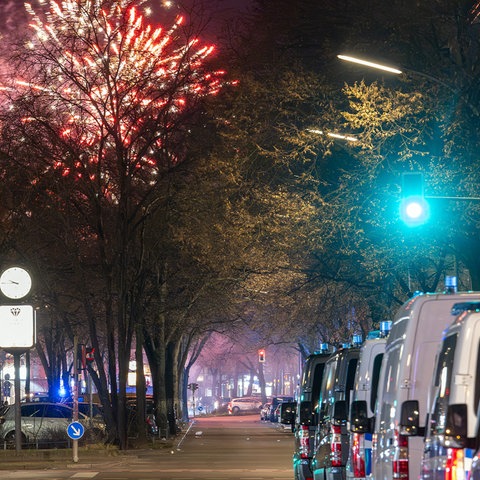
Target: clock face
pixel 15 282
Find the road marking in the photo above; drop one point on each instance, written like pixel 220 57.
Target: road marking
pixel 84 475
pixel 29 474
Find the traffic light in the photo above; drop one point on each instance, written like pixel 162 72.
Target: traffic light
pixel 261 355
pixel 414 209
pixel 89 354
pixel 86 355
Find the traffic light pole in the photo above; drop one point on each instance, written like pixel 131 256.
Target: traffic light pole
pixel 439 197
pixel 414 209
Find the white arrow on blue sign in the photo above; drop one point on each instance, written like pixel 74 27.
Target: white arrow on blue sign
pixel 75 430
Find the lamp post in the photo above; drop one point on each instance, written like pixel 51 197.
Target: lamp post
pixel 408 71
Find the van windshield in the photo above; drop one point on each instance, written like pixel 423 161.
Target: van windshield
pixel 443 380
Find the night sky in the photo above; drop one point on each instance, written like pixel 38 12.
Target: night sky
pixel 13 16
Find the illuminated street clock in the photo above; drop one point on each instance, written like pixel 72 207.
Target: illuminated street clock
pixel 15 282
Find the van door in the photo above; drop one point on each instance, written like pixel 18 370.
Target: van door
pixel 383 451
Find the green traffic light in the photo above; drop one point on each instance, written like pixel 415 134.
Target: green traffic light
pixel 414 211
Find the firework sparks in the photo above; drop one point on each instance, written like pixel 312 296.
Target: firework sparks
pixel 112 79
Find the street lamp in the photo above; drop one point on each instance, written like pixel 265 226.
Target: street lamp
pixel 340 136
pixel 367 63
pixel 408 71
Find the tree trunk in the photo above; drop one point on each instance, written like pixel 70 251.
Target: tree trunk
pixel 261 381
pixel 140 385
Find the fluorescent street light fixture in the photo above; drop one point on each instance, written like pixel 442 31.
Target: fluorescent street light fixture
pixel 369 64
pixel 349 138
pixel 341 136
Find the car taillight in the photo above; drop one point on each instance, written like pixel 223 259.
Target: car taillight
pixel 358 462
pixel 304 437
pixel 457 464
pixel 336 446
pixel 400 457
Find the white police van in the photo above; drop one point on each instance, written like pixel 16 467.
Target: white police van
pixel 362 409
pixel 451 434
pixel 407 371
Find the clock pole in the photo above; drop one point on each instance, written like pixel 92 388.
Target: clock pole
pixel 18 333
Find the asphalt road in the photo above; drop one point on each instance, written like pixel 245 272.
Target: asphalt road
pixel 213 448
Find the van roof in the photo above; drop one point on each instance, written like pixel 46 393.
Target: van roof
pixel 424 297
pixel 464 306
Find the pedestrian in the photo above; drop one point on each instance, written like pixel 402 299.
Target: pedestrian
pixel 7 388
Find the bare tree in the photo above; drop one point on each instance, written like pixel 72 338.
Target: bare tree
pixel 99 104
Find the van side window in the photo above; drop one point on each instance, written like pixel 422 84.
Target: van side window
pixel 328 384
pixel 350 381
pixel 444 375
pixel 377 363
pixel 317 381
pixel 390 382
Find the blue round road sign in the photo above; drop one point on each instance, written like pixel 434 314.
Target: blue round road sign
pixel 75 430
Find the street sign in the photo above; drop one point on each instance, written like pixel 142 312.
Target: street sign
pixel 75 430
pixel 17 326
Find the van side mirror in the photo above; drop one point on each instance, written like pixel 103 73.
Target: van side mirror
pixel 306 415
pixel 287 413
pixel 409 418
pixel 339 412
pixel 456 428
pixel 359 421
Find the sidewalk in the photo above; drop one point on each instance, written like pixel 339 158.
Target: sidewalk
pixel 63 458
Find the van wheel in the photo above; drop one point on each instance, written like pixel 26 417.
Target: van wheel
pixel 235 410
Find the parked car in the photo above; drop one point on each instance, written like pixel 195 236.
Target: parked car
pixel 88 409
pixel 45 424
pixel 276 401
pixel 362 408
pixel 331 436
pixel 151 425
pixel 221 404
pixel 265 411
pixel 244 405
pixel 286 414
pixel 407 371
pixel 451 434
pixel 37 397
pixel 305 419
